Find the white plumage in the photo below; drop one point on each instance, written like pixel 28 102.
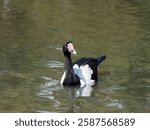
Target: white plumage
pixel 84 72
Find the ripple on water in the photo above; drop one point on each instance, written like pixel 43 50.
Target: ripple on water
pixel 115 103
pixel 55 64
pixel 111 89
pixel 48 88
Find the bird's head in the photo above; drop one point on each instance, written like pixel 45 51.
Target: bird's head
pixel 68 48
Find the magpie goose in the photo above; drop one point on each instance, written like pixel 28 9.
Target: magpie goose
pixel 82 72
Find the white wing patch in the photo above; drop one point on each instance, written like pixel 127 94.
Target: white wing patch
pixel 84 72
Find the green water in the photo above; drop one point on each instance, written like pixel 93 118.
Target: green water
pixel 31 61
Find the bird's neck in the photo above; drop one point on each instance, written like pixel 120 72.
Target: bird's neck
pixel 71 78
pixel 69 66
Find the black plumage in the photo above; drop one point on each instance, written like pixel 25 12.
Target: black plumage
pixel 70 77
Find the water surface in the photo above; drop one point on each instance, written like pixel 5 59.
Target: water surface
pixel 31 60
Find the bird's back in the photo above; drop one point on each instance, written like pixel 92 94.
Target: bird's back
pixel 92 64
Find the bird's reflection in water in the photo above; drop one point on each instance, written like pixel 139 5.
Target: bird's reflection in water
pixel 84 91
pixel 70 96
pixel 73 92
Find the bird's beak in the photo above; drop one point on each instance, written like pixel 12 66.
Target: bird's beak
pixel 74 52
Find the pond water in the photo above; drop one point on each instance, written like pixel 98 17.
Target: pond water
pixel 32 33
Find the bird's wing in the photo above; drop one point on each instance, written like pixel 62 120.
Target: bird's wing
pixel 84 72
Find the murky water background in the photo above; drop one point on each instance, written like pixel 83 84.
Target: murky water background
pixel 31 61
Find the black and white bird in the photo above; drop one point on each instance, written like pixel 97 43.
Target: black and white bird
pixel 82 72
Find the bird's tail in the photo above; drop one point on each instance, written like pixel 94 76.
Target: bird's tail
pixel 100 59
